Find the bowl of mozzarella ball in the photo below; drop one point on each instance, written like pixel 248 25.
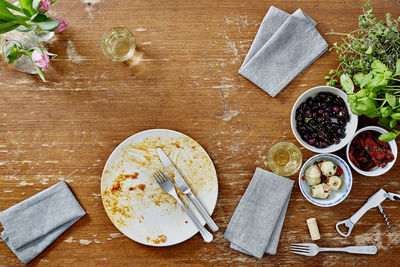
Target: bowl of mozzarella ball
pixel 325 180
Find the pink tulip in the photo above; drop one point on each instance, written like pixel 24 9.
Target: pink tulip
pixel 62 25
pixel 42 61
pixel 44 5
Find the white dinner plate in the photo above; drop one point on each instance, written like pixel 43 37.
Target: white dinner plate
pixel 134 201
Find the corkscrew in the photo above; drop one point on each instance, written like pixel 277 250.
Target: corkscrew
pixel 374 201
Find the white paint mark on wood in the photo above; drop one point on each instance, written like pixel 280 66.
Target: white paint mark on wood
pixel 232 46
pixel 141 29
pixel 23 183
pixel 228 115
pixel 85 242
pixel 89 6
pixel 116 235
pixel 372 237
pixel 44 181
pixel 72 54
pixel 69 240
pixel 135 59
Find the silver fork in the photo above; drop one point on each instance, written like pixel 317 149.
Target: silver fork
pixel 167 185
pixel 309 249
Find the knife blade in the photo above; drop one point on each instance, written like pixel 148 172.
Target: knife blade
pixel 184 187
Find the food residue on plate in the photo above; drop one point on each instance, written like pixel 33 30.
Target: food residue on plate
pixel 129 189
pixel 121 178
pixel 161 238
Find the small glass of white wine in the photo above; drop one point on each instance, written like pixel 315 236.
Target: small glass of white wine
pixel 284 158
pixel 118 44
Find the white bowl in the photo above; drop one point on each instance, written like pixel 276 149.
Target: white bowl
pixel 336 196
pixel 351 126
pixel 377 170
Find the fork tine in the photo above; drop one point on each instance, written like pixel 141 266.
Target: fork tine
pixel 156 176
pixel 299 250
pixel 301 253
pixel 162 176
pixel 301 244
pixel 165 176
pixel 300 247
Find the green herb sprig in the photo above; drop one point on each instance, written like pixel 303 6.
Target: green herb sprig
pixel 369 58
pixel 373 40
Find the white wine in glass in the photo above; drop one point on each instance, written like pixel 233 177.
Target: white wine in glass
pixel 118 44
pixel 284 158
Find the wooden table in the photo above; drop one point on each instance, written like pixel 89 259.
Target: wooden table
pixel 184 77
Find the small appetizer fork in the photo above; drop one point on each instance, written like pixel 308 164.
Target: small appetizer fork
pixel 167 185
pixel 309 249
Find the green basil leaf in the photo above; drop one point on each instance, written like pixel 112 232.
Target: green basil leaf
pixel 353 109
pixel 369 50
pixel 384 122
pixel 393 123
pixel 352 98
pixel 377 83
pixel 357 78
pixel 386 111
pixel 362 93
pixel 53 1
pixel 366 106
pixel 49 24
pixel 387 137
pixel 391 99
pixel 365 79
pixel 347 83
pixel 397 67
pixel 379 67
pixel 395 116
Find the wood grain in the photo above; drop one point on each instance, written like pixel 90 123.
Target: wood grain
pixel 184 78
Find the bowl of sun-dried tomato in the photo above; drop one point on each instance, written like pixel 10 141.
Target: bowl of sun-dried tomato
pixel 368 155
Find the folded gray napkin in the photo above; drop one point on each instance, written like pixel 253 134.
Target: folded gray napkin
pixel 33 224
pixel 256 224
pixel 284 46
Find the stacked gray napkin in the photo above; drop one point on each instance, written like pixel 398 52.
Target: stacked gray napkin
pixel 284 46
pixel 256 224
pixel 33 224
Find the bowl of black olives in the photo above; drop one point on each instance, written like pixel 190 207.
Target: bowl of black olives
pixel 321 119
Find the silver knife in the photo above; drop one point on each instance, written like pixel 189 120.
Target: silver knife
pixel 183 186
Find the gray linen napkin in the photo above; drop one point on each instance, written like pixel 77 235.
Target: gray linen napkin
pixel 256 224
pixel 284 46
pixel 33 224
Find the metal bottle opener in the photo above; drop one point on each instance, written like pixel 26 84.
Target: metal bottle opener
pixel 374 201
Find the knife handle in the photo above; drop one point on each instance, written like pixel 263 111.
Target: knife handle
pixel 213 226
pixel 207 236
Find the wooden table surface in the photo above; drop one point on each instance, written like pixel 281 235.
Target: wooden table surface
pixel 183 77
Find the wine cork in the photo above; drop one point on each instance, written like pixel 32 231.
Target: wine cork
pixel 313 228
